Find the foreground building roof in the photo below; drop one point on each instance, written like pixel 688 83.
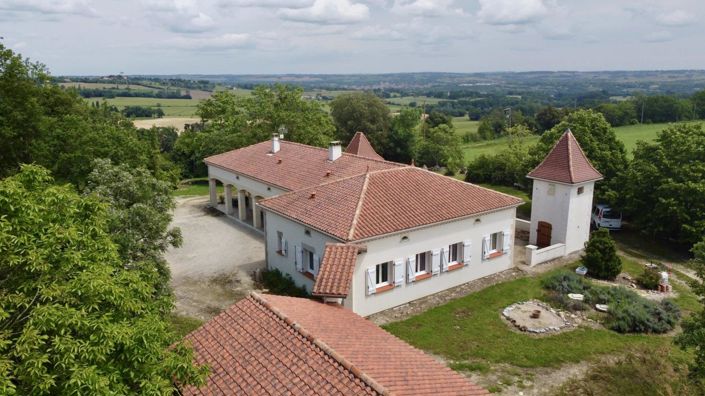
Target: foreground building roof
pixel 359 145
pixel 566 163
pixel 272 345
pixel 336 271
pixel 294 166
pixel 386 201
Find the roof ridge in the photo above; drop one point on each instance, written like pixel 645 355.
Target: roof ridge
pixel 472 184
pixel 568 135
pixel 343 152
pixel 585 155
pixel 358 209
pixel 369 381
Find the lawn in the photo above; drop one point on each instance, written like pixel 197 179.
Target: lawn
pixel 470 330
pixel 171 107
pixel 463 125
pixel 182 325
pixel 475 149
pixel 523 211
pixel 194 187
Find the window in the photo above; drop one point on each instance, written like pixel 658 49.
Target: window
pixel 581 190
pixel 495 241
pixel 382 278
pixel 551 189
pixel 455 253
pixel 421 263
pixel 281 243
pixel 309 262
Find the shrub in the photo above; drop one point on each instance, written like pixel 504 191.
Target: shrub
pixel 643 316
pixel 278 283
pixel 600 256
pixel 649 279
pixel 566 282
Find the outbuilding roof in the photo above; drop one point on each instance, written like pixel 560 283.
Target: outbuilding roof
pixel 335 274
pixel 359 145
pixel 566 163
pixel 268 344
pixel 386 201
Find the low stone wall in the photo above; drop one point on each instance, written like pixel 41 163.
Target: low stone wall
pixel 535 256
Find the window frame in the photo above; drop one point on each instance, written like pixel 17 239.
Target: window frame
pixel 426 262
pixel 307 257
pixel 388 282
pixel 458 253
pixel 496 242
pixel 280 243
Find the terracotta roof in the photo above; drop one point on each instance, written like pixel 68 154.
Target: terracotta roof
pixel 359 145
pixel 566 163
pixel 388 361
pixel 251 349
pixel 384 202
pixel 335 274
pixel 295 166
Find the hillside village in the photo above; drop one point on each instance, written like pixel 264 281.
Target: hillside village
pixel 275 198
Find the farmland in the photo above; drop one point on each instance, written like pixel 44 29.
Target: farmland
pixel 171 107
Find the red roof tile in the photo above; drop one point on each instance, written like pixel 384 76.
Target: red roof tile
pixel 390 362
pixel 566 163
pixel 383 202
pixel 295 166
pixel 335 274
pixel 359 145
pixel 252 350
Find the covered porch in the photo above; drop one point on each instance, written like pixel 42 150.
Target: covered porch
pixel 237 203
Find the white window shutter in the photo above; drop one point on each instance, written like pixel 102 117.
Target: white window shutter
pixel 506 241
pixel 285 246
pixel 398 272
pixel 411 269
pixel 467 251
pixel 444 259
pixel 371 284
pixel 436 261
pixel 299 259
pixel 486 247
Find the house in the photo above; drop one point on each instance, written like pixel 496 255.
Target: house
pixel 276 345
pixel 364 232
pixel 563 185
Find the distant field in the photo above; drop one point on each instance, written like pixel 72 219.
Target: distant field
pixel 474 150
pixel 463 125
pixel 171 107
pixel 405 100
pixel 176 122
pixel 104 85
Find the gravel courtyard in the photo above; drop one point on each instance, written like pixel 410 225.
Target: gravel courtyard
pixel 211 270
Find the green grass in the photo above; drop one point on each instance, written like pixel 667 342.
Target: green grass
pixel 523 211
pixel 405 100
pixel 183 325
pixel 171 107
pixel 463 126
pixel 471 329
pixel 195 187
pixel 489 147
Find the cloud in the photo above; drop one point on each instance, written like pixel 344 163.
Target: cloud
pixel 658 37
pixel 327 12
pixel 425 8
pixel 511 12
pixel 377 33
pixel 266 3
pixel 181 16
pixel 215 43
pixel 50 7
pixel 674 18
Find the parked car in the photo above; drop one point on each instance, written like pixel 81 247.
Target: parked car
pixel 605 217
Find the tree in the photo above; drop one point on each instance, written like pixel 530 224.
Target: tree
pixel 598 141
pixel 698 100
pixel 363 112
pixel 436 118
pixel 401 144
pixel 441 148
pixel 73 318
pixel 547 118
pixel 600 257
pixel 664 187
pixel 693 335
pixel 508 167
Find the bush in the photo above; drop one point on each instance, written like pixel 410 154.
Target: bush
pixel 282 284
pixel 600 256
pixel 649 279
pixel 566 282
pixel 643 316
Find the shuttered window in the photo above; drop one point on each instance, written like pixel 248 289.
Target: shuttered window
pixel 422 263
pixel 382 274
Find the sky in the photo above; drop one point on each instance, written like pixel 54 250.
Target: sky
pixel 99 37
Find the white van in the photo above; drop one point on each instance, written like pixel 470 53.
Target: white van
pixel 605 217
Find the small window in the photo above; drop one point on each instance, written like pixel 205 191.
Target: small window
pixel 307 232
pixel 280 242
pixel 309 262
pixel 382 277
pixel 581 190
pixel 421 263
pixel 551 189
pixel 455 253
pixel 495 241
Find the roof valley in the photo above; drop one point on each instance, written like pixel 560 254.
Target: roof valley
pixel 356 216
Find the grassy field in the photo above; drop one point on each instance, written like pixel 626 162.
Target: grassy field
pixel 523 211
pixel 405 100
pixel 88 85
pixel 171 107
pixel 194 187
pixel 475 149
pixel 470 332
pixel 464 126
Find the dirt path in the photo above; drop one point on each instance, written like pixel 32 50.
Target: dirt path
pixel 211 271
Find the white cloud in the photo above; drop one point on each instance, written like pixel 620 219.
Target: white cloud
pixel 377 33
pixel 223 42
pixel 674 18
pixel 182 16
pixel 327 12
pixel 266 3
pixel 658 37
pixel 51 7
pixel 511 12
pixel 425 8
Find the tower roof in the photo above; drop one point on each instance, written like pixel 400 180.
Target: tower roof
pixel 359 145
pixel 566 163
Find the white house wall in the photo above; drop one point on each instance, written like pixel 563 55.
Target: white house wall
pixel 554 209
pixel 578 228
pixel 254 187
pixel 427 239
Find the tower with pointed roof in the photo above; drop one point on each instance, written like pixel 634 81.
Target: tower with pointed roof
pixel 561 198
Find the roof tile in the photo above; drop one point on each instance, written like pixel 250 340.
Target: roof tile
pixel 566 163
pixel 337 266
pixel 359 145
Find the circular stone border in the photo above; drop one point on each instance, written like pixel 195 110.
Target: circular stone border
pixel 537 330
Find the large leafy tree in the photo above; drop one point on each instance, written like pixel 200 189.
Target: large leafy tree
pixel 363 112
pixel 693 335
pixel 403 136
pixel 441 147
pixel 73 318
pixel 598 141
pixel 664 188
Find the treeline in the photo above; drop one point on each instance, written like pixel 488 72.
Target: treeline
pixel 109 93
pixel 142 111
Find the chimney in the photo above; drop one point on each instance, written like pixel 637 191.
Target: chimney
pixel 275 143
pixel 335 150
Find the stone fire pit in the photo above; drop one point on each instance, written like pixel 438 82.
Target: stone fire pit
pixel 535 317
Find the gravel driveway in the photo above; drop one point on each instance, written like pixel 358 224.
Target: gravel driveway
pixel 211 270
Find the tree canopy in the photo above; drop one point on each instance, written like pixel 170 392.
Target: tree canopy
pixel 363 112
pixel 73 318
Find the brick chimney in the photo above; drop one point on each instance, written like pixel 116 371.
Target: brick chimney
pixel 275 143
pixel 335 150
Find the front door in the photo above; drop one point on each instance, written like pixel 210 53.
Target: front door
pixel 543 234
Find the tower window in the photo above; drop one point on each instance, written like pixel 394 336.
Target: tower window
pixel 581 190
